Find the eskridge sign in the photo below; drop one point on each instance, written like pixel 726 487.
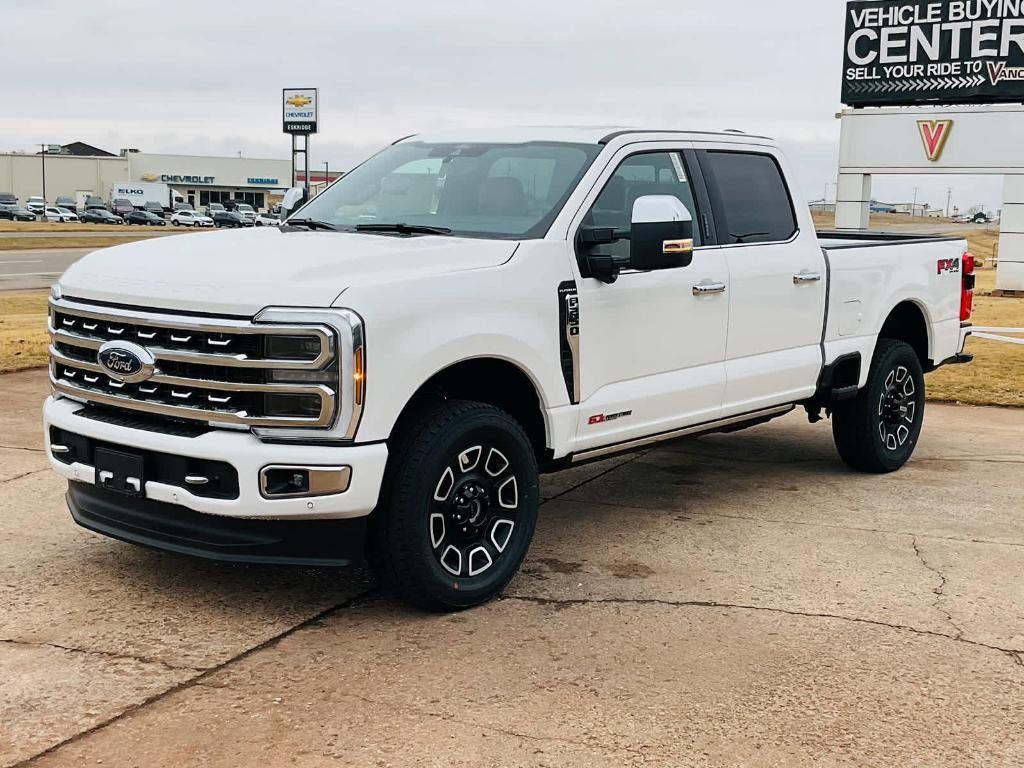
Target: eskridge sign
pixel 300 110
pixel 903 52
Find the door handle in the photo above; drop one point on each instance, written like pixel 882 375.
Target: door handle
pixel 806 278
pixel 707 289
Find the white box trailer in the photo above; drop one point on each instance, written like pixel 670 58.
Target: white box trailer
pixel 141 192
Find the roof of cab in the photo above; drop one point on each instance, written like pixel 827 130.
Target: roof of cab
pixel 571 135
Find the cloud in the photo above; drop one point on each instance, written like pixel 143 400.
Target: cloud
pixel 206 78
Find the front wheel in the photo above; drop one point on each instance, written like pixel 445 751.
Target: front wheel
pixel 878 431
pixel 458 509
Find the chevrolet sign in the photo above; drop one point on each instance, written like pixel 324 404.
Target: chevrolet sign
pixel 300 110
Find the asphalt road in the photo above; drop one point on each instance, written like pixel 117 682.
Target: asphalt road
pixel 36 268
pixel 731 600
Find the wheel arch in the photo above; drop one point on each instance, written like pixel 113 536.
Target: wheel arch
pixel 908 322
pixel 493 380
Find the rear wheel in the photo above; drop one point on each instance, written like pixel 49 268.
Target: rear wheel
pixel 458 509
pixel 878 431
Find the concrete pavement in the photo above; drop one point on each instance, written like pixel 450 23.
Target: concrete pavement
pixel 731 600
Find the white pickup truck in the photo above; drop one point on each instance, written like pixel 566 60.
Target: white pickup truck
pixel 388 372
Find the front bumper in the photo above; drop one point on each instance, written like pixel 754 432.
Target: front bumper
pixel 243 451
pixel 175 529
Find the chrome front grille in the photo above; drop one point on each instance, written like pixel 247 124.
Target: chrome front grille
pixel 216 370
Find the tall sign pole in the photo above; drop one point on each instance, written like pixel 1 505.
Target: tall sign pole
pixel 300 109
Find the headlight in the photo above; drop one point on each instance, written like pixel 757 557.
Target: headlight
pixel 346 375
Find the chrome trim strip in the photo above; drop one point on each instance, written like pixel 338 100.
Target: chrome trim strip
pixel 184 412
pixel 708 426
pixel 323 481
pixel 175 381
pixel 223 326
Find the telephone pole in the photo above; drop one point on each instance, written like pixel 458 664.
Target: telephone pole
pixel 949 200
pixel 913 211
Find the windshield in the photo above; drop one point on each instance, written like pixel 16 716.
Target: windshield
pixel 511 191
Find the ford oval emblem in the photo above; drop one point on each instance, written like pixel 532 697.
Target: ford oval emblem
pixel 127 362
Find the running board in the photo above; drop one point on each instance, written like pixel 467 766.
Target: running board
pixel 746 419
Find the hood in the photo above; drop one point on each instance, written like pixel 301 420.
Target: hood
pixel 242 272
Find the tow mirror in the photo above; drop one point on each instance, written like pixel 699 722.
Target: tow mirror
pixel 294 199
pixel 662 234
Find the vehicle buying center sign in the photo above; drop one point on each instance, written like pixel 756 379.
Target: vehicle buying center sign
pixel 902 52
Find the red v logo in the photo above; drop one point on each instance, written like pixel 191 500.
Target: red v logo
pixel 935 134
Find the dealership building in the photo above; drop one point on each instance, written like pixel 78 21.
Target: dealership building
pixel 72 170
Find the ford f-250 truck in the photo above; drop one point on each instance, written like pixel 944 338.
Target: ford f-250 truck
pixel 389 371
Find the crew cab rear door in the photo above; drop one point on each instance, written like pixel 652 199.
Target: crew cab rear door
pixel 777 278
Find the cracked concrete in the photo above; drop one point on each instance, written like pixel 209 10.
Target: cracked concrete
pixel 732 600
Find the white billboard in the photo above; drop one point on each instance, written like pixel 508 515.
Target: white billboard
pixel 300 110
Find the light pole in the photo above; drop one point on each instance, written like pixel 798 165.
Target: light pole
pixel 913 211
pixel 42 159
pixel 327 175
pixel 949 200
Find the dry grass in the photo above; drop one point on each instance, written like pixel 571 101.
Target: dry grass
pixel 23 338
pixel 996 377
pixel 53 226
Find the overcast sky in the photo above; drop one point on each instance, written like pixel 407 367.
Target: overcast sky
pixel 206 77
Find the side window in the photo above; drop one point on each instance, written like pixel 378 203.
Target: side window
pixel 755 201
pixel 649 173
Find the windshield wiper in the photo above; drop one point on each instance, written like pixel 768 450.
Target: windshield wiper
pixel 310 224
pixel 403 229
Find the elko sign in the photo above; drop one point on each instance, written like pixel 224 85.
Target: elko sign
pixel 906 52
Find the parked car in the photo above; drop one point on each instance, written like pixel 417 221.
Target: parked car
pixel 68 213
pixel 122 206
pixel 426 366
pixel 183 207
pixel 66 202
pixel 35 204
pixel 230 219
pixel 245 210
pixel 190 219
pixel 94 201
pixel 53 213
pixel 8 198
pixel 155 208
pixel 100 216
pixel 16 213
pixel 981 218
pixel 145 219
pixel 268 220
pixel 214 208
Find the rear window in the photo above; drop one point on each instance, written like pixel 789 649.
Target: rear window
pixel 755 202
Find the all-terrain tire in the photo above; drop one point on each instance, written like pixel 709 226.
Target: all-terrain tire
pixel 878 431
pixel 458 506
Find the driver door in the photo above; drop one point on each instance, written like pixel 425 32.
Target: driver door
pixel 652 344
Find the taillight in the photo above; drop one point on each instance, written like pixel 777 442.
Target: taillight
pixel 967 291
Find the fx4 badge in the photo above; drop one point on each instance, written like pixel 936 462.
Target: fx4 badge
pixel 603 418
pixel 951 266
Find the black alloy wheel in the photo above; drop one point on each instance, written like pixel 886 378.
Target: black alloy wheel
pixel 458 506
pixel 878 430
